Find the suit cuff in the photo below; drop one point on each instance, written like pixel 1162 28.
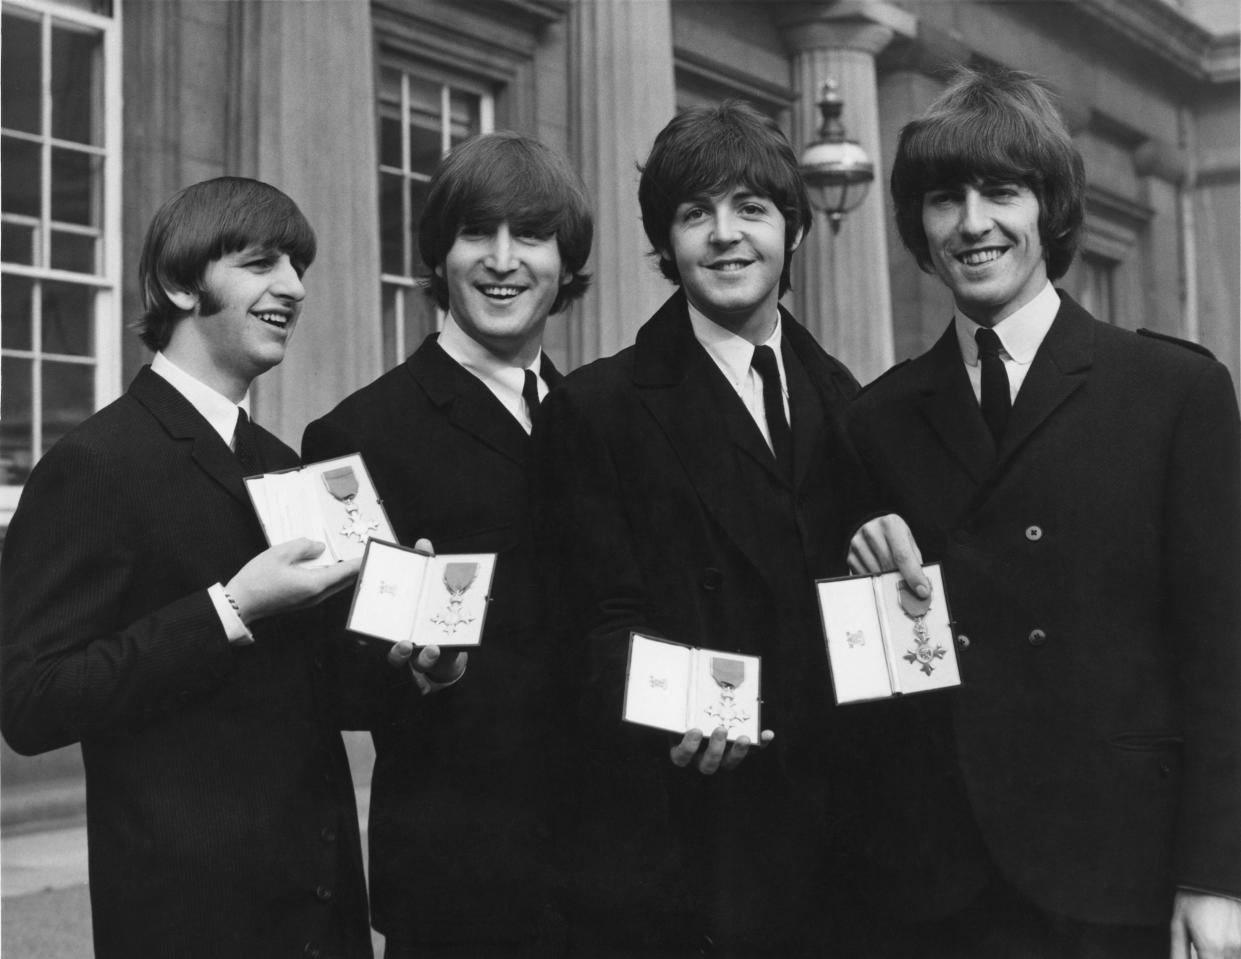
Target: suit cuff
pixel 237 632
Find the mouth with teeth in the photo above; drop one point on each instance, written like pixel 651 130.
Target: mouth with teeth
pixel 728 266
pixel 500 292
pixel 279 320
pixel 981 257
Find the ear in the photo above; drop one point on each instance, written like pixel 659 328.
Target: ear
pixel 797 238
pixel 182 299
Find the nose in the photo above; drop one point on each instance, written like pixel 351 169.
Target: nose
pixel 726 228
pixel 500 255
pixel 975 218
pixel 286 282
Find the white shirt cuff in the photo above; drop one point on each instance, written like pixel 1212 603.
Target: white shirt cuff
pixel 236 631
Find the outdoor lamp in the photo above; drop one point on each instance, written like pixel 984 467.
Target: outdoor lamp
pixel 836 169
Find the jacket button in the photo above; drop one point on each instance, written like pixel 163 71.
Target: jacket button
pixel 711 579
pixel 1037 637
pixel 312 951
pixel 1034 533
pixel 327 834
pixel 323 894
pixel 1165 770
pixel 963 641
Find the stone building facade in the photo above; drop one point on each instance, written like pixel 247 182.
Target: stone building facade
pixel 111 105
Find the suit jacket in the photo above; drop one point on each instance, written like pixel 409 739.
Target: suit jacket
pixel 457 829
pixel 1092 564
pixel 662 510
pixel 220 812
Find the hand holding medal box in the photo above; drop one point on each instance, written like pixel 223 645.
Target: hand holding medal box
pixel 678 688
pixel 333 501
pixel 883 640
pixel 405 595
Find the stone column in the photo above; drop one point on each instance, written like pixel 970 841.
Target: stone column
pixel 302 117
pixel 622 93
pixel 841 281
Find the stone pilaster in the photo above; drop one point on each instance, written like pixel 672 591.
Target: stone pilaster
pixel 622 93
pixel 302 107
pixel 841 280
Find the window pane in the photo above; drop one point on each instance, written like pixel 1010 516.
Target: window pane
pixel 392 296
pixel 76 62
pixel 18 295
pixel 19 73
pixel 16 439
pixel 74 251
pixel 17 243
pixel 465 116
pixel 390 141
pixel 391 224
pixel 419 318
pixel 68 319
pixel 21 180
pixel 418 203
pixel 68 398
pixel 425 122
pixel 75 187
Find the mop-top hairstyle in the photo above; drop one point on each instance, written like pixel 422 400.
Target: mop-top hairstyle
pixel 202 223
pixel 994 126
pixel 708 151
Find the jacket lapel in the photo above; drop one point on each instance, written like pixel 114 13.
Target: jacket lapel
pixel 1058 370
pixel 683 390
pixel 185 424
pixel 947 401
pixel 468 404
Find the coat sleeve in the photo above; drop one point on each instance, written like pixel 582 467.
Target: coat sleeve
pixel 72 665
pixel 1203 556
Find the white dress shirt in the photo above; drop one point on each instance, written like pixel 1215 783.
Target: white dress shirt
pixel 734 355
pixel 1021 334
pixel 504 381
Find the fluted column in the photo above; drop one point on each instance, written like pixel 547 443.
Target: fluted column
pixel 622 94
pixel 303 119
pixel 841 280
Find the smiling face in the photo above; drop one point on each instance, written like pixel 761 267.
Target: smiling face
pixel 985 245
pixel 729 250
pixel 501 287
pixel 240 325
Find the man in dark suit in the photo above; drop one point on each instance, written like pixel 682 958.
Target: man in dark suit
pixel 144 618
pixel 506 234
pixel 692 487
pixel 1082 788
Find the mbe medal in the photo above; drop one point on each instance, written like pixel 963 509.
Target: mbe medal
pixel 343 485
pixel 458 578
pixel 728 675
pixel 916 608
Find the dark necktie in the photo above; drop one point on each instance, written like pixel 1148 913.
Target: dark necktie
pixel 243 444
pixel 764 364
pixel 530 393
pixel 995 398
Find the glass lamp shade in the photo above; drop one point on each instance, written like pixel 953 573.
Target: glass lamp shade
pixel 838 175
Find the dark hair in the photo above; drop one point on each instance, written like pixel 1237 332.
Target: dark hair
pixel 707 151
pixel 202 223
pixel 994 126
pixel 506 177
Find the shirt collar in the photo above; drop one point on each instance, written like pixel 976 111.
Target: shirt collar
pixel 474 357
pixel 733 354
pixel 217 409
pixel 1021 333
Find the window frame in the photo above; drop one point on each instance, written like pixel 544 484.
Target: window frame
pixel 106 283
pixel 406 285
